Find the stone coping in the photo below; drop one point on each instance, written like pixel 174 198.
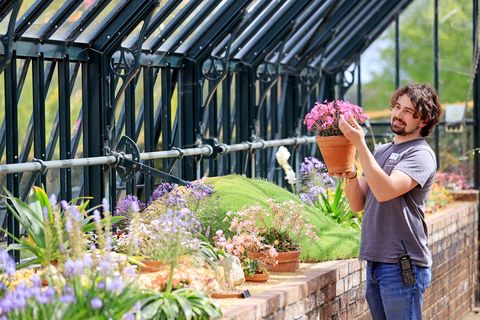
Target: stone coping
pixel 284 289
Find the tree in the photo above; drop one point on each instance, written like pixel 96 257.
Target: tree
pixel 416 52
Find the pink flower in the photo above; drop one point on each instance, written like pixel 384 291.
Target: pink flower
pixel 323 118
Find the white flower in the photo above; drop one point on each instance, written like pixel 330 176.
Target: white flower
pixel 282 156
pixel 291 177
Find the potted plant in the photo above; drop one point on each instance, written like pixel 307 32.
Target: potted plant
pixel 254 255
pixel 281 226
pixel 337 152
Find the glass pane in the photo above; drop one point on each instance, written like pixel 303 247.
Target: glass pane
pixel 4 24
pixel 455 50
pixel 153 37
pixel 44 19
pixel 75 19
pixel 378 75
pixel 186 20
pixel 132 37
pixel 99 21
pixel 202 26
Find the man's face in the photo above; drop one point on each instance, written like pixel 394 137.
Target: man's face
pixel 403 123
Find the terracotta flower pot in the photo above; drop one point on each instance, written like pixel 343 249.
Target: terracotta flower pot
pixel 287 262
pixel 256 255
pixel 226 295
pixel 149 266
pixel 257 277
pixel 338 153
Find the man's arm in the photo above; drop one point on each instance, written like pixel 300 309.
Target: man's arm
pixel 356 192
pixel 383 186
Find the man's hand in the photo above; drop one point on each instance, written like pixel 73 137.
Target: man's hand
pixel 351 130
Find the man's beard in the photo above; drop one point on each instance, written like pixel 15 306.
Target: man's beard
pixel 402 131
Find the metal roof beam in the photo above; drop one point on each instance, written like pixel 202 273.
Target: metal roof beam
pixel 29 48
pixel 76 29
pixel 172 25
pixel 274 31
pixel 262 12
pixel 355 24
pixel 312 22
pixel 175 40
pixel 325 33
pixel 220 26
pixel 30 16
pixel 161 15
pixel 345 52
pixel 121 23
pixel 60 16
pixel 5 8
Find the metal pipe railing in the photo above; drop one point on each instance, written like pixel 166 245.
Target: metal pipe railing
pixel 204 150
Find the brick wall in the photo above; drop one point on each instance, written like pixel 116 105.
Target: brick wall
pixel 454 246
pixel 336 289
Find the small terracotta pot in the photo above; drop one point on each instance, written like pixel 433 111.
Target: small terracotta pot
pixel 256 255
pixel 287 262
pixel 149 266
pixel 226 295
pixel 338 153
pixel 257 277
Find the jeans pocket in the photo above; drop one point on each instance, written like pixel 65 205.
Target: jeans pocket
pixel 424 277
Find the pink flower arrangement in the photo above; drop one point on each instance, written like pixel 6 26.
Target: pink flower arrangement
pixel 323 118
pixel 452 181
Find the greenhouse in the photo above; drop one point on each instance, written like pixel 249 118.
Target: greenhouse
pixel 239 159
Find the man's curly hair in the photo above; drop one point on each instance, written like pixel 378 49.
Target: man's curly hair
pixel 426 102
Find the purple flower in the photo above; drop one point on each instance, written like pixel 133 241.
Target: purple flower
pixel 96 303
pixel 6 262
pixel 128 203
pixel 73 268
pixel 105 204
pixel 68 225
pixel 65 205
pixel 116 285
pixel 76 214
pixel 45 296
pixel 160 191
pixel 88 261
pixel 67 295
pixel 53 200
pixel 175 199
pixel 45 213
pixel 96 216
pixel 36 281
pixel 200 190
pixel 105 266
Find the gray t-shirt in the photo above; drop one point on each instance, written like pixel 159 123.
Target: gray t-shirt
pixel 385 224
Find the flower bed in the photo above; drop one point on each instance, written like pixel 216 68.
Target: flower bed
pixel 337 288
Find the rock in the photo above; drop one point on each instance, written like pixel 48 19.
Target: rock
pixel 233 271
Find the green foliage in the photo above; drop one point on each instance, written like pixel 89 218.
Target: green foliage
pixel 236 192
pixel 337 208
pixel 416 53
pixel 41 239
pixel 183 304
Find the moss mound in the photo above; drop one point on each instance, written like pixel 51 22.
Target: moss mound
pixel 235 192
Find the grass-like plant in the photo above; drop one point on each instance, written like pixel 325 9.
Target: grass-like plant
pixel 182 303
pixel 336 207
pixel 45 223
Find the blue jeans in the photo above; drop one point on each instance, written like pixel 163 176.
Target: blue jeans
pixel 387 296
